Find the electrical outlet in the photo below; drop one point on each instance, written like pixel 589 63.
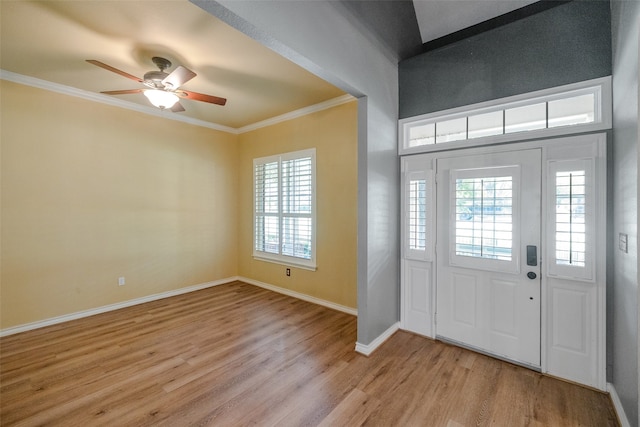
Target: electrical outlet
pixel 120 281
pixel 288 272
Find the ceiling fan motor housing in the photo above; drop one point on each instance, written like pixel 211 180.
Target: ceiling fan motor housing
pixel 153 79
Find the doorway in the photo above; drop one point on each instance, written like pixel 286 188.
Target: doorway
pixel 487 263
pixel 504 252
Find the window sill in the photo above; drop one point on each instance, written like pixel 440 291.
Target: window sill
pixel 287 261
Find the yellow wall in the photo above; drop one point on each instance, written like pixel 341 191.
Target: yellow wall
pixel 92 192
pixel 333 133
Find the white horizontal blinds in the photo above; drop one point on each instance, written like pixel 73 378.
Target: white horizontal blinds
pixel 417 209
pixel 570 218
pixel 484 217
pixel 417 221
pixel 297 198
pixel 284 211
pixel 267 233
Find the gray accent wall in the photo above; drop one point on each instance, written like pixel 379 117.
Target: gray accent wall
pixel 318 36
pixel 623 290
pixel 565 44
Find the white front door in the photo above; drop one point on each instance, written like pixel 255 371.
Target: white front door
pixel 488 253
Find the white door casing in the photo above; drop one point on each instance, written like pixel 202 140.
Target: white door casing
pixel 572 295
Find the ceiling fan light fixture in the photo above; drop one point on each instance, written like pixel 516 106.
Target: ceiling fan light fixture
pixel 161 98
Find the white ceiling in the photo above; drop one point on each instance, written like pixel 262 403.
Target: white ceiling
pixel 438 18
pixel 51 39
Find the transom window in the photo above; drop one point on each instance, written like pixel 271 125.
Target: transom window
pixel 567 109
pixel 284 208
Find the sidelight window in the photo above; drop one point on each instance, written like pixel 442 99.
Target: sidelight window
pixel 571 218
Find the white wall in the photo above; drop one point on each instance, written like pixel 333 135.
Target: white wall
pixel 623 304
pixel 317 35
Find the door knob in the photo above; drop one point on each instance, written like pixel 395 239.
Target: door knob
pixel 531 275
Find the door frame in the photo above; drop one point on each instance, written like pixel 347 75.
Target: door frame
pixel 592 146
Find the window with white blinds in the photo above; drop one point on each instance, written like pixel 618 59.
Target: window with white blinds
pixel 284 208
pixel 417 232
pixel 483 217
pixel 417 210
pixel 571 219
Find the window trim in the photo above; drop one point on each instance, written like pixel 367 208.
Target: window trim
pixel 279 258
pixel 600 87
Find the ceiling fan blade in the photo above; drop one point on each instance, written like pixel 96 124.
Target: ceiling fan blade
pixel 114 70
pixel 177 107
pixel 178 77
pixel 122 92
pixel 202 97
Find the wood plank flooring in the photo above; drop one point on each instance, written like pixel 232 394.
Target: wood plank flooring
pixel 237 355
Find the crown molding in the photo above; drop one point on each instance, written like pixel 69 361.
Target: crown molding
pixel 105 99
pixel 115 102
pixel 298 113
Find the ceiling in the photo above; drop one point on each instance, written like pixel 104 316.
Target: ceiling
pixel 50 40
pixel 440 18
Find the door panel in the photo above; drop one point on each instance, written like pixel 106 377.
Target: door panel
pixel 488 212
pixel 417 299
pixel 463 303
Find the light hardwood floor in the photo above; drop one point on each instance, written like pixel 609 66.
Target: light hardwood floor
pixel 237 355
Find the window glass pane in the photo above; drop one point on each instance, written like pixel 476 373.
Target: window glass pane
pixel 422 135
pixel 266 191
pixel 296 185
pixel 570 218
pixel 267 235
pixel 451 130
pixel 572 111
pixel 417 214
pixel 483 215
pixel 296 237
pixel 529 117
pixel 487 124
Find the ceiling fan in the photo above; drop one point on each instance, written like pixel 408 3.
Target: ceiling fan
pixel 163 89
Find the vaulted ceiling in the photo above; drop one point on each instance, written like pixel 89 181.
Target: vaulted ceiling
pixel 50 40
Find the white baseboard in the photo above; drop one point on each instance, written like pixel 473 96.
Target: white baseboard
pixel 622 417
pixel 86 313
pixel 298 295
pixel 367 349
pixel 110 307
